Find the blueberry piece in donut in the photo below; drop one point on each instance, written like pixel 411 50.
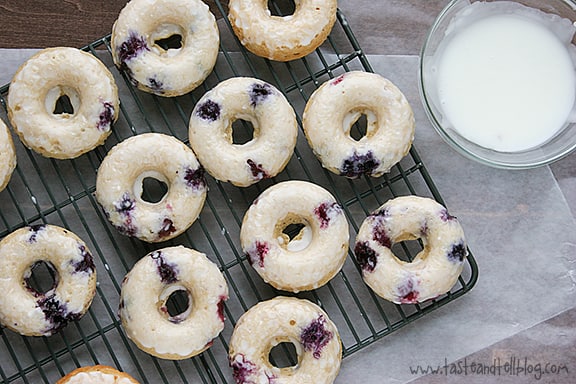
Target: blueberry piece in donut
pixel 408 292
pixel 167 229
pixel 257 253
pixel 326 212
pixel 380 235
pixel 155 85
pixel 86 264
pixel 242 369
pixel 209 110
pixel 127 228
pixel 34 229
pixel 457 252
pixel 107 116
pixel 195 178
pixel 56 313
pixel 445 216
pixel 366 256
pixel 221 304
pixel 359 164
pixel 315 337
pixel 259 92
pixel 132 47
pixel 125 205
pixel 168 272
pixel 257 170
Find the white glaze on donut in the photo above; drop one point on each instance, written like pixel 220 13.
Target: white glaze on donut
pixel 285 319
pixel 97 374
pixel 282 38
pixel 175 71
pixel 32 313
pixel 147 287
pixel 41 81
pixel 164 158
pixel 433 271
pixel 7 155
pixel 315 255
pixel 273 120
pixel 337 104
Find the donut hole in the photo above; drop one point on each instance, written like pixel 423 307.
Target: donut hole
pixel 62 101
pixel 281 8
pixel 284 355
pixel 167 38
pixel 151 187
pixel 41 277
pixel 242 132
pixel 406 249
pixel 176 303
pixel 294 234
pixel 359 124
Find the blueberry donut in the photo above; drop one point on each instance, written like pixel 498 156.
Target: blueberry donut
pixel 285 320
pixel 337 104
pixel 119 187
pixel 165 47
pixel 433 271
pixel 97 374
pixel 282 38
pixel 56 73
pixel 7 155
pixel 316 249
pixel 148 286
pixel 274 137
pixel 23 308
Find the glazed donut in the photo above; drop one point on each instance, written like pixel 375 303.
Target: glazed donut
pixel 432 272
pixel 97 374
pixel 312 257
pixel 285 320
pixel 273 120
pixel 31 313
pixel 146 290
pixel 119 187
pixel 138 51
pixel 337 104
pixel 41 81
pixel 7 155
pixel 282 38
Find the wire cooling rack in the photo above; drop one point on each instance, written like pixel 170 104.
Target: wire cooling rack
pixel 62 193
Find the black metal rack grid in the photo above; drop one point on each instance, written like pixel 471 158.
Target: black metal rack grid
pixel 62 193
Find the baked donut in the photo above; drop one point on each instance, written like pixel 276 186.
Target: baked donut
pixel 119 187
pixel 171 69
pixel 49 75
pixel 97 374
pixel 285 320
pixel 24 309
pixel 282 38
pixel 432 272
pixel 337 104
pixel 274 138
pixel 146 290
pixel 314 255
pixel 7 155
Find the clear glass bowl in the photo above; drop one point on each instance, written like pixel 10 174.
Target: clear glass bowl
pixel 557 147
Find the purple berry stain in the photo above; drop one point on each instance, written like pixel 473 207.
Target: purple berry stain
pixel 221 308
pixel 86 264
pixel 359 164
pixel 407 293
pixel 208 110
pixel 380 235
pixel 106 117
pixel 56 313
pixel 194 178
pixel 457 252
pixel 257 253
pixel 259 92
pixel 337 80
pixel 242 369
pixel 327 211
pixel 445 216
pixel 34 229
pixel 257 170
pixel 127 228
pixel 167 228
pixel 315 336
pixel 168 272
pixel 155 85
pixel 126 205
pixel 132 47
pixel 366 256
